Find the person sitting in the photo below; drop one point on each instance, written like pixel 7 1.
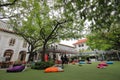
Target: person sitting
pixel 88 60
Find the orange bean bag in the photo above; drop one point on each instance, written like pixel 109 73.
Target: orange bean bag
pixel 53 69
pixel 73 63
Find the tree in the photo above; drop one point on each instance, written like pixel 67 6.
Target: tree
pixel 3 4
pixel 101 13
pixel 114 36
pixel 104 39
pixel 97 41
pixel 30 33
pixel 14 9
pixel 6 8
pixel 42 26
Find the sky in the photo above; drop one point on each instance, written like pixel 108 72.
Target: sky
pixel 68 42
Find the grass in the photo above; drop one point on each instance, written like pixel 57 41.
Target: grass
pixel 71 72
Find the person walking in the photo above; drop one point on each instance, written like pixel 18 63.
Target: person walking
pixel 63 60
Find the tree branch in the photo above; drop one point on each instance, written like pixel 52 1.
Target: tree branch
pixel 7 4
pixel 6 17
pixel 55 28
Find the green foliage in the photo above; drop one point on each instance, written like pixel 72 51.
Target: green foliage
pixel 42 65
pixel 97 41
pixel 101 13
pixel 42 26
pixel 105 39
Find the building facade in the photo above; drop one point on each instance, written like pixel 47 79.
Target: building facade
pixel 84 49
pixel 81 45
pixel 12 47
pixel 56 50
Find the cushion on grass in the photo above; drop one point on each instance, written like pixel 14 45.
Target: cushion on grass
pixel 16 69
pixel 53 69
pixel 109 62
pixel 73 63
pixel 101 66
pixel 103 63
pixel 82 62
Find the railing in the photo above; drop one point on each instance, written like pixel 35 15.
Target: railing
pixel 60 51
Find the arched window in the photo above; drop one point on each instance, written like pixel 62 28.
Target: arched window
pixel 11 42
pixel 22 56
pixel 8 54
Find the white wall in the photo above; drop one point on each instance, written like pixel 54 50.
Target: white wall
pixel 85 47
pixel 4 44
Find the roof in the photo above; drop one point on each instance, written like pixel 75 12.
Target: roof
pixel 4 30
pixel 5 27
pixel 66 45
pixel 80 41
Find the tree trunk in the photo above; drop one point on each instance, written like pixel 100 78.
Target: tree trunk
pixel 31 57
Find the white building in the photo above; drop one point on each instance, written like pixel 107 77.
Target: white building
pixel 84 49
pixel 81 45
pixel 12 46
pixel 57 50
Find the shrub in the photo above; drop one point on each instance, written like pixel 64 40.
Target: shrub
pixel 17 63
pixel 42 65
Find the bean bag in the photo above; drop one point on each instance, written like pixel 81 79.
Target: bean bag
pixel 73 63
pixel 53 69
pixel 16 68
pixel 101 66
pixel 109 62
pixel 82 62
pixel 103 63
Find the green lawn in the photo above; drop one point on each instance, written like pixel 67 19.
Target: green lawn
pixel 71 72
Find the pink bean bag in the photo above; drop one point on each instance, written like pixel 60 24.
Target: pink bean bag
pixel 102 65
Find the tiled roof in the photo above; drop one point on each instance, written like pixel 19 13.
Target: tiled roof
pixel 4 30
pixel 80 41
pixel 5 27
